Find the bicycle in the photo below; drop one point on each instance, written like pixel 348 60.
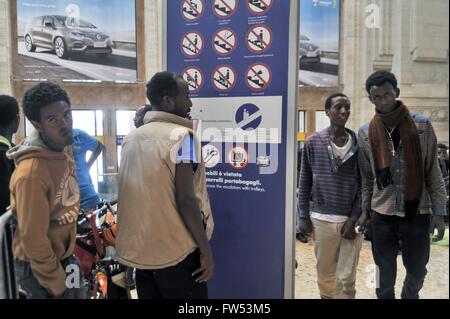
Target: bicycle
pixel 95 247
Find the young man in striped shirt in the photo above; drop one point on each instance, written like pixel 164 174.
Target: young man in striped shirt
pixel 329 172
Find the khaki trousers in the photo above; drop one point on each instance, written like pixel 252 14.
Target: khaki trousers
pixel 337 260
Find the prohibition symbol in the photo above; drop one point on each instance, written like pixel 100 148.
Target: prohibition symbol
pixel 238 157
pixel 224 41
pixel 224 8
pixel 210 155
pixel 194 78
pixel 248 117
pixel 258 76
pixel 259 39
pixel 192 44
pixel 192 10
pixel 259 6
pixel 224 78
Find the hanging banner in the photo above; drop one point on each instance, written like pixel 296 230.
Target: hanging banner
pixel 319 43
pixel 77 40
pixel 239 88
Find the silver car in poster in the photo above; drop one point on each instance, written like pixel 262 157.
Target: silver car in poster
pixel 308 51
pixel 66 35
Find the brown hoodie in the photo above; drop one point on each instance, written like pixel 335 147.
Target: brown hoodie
pixel 45 199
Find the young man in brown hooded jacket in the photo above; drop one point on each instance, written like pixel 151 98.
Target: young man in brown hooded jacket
pixel 45 199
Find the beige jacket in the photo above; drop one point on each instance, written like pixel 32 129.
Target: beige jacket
pixel 150 231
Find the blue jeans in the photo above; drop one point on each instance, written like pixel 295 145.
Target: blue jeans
pixel 414 235
pixel 33 289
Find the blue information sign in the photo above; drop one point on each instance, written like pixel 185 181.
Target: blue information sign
pixel 243 107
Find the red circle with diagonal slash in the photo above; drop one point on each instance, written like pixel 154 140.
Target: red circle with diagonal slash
pixel 253 72
pixel 189 76
pixel 254 33
pixel 238 158
pixel 186 15
pixel 226 5
pixel 223 76
pixel 219 36
pixel 183 49
pixel 253 8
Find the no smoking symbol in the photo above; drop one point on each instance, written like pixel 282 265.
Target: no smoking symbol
pixel 224 41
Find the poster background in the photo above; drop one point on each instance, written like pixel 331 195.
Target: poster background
pixel 116 18
pixel 319 22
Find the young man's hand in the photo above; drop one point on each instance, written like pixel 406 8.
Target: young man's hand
pixel 348 230
pixel 437 222
pixel 306 226
pixel 206 269
pixel 362 221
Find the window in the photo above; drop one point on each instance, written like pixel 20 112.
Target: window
pixel 322 120
pixel 124 125
pixel 302 121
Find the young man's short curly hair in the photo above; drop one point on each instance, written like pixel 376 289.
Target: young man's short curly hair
pixel 379 78
pixel 9 109
pixel 329 99
pixel 162 84
pixel 41 95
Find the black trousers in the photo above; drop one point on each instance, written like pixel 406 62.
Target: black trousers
pixel 175 282
pixel 414 235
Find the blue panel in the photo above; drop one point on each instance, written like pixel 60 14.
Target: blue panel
pixel 249 237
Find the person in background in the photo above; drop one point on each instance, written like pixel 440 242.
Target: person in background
pixel 9 124
pixel 82 143
pixel 402 186
pixel 165 220
pixel 330 174
pixel 138 119
pixel 45 199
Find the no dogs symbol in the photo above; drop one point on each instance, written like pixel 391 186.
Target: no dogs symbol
pixel 259 39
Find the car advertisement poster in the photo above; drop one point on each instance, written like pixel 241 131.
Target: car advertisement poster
pixel 319 43
pixel 77 40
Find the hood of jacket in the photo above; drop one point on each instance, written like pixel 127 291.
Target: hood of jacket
pixel 33 147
